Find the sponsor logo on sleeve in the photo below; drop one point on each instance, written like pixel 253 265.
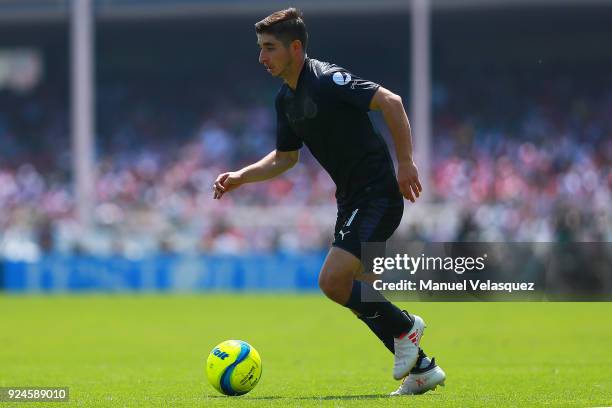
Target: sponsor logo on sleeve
pixel 341 78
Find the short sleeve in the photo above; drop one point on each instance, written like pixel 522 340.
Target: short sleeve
pixel 346 87
pixel 286 139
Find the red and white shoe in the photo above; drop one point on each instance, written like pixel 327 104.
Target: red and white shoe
pixel 422 381
pixel 407 349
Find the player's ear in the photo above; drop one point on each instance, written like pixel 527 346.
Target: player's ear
pixel 296 45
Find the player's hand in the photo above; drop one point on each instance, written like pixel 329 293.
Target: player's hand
pixel 408 180
pixel 226 182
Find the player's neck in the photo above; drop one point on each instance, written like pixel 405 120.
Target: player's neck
pixel 294 74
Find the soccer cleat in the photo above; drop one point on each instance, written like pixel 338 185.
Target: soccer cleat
pixel 407 349
pixel 421 381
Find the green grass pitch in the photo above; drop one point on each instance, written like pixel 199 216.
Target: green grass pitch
pixel 149 350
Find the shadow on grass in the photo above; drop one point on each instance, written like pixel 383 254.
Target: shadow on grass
pixel 344 397
pixel 312 398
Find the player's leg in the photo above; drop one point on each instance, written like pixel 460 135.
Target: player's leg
pixel 376 328
pixel 375 221
pixel 373 322
pixel 426 375
pixel 337 274
pixel 423 365
pixel 336 280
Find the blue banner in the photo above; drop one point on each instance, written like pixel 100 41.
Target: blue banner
pixel 257 272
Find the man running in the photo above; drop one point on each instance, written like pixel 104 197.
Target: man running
pixel 325 107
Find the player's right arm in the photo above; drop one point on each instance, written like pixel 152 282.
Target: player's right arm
pixel 272 165
pixel 276 162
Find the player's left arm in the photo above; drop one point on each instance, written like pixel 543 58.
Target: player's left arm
pixel 395 116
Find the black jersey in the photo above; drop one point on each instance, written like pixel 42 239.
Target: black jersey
pixel 328 113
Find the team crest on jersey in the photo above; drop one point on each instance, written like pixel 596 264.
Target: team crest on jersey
pixel 341 78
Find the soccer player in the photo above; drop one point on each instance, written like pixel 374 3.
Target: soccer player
pixel 325 107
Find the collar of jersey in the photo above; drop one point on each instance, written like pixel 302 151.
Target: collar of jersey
pixel 305 67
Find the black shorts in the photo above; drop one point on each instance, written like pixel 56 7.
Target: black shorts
pixel 373 220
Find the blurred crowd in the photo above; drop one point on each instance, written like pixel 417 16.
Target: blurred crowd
pixel 529 160
pixel 511 162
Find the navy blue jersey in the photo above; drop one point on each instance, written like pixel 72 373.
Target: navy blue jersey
pixel 328 111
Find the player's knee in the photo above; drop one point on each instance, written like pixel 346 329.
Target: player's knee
pixel 333 289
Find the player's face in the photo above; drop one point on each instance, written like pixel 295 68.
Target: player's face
pixel 274 55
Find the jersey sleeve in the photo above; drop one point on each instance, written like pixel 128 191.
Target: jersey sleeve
pixel 341 85
pixel 286 139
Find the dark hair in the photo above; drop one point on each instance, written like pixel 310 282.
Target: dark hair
pixel 286 25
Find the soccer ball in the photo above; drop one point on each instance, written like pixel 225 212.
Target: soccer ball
pixel 233 367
